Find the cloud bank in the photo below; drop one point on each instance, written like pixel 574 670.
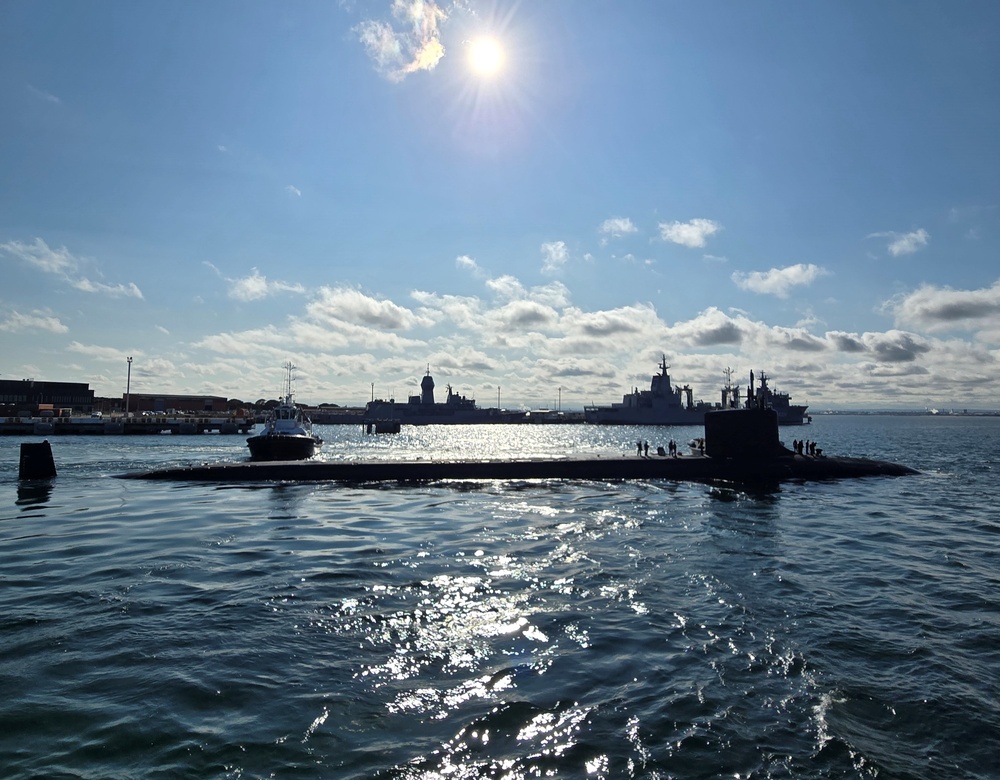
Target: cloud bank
pixel 942 308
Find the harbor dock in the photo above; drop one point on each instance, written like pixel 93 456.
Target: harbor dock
pixel 120 425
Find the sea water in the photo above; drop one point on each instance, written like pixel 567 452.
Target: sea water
pixel 647 629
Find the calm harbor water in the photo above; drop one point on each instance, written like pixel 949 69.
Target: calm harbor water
pixel 529 629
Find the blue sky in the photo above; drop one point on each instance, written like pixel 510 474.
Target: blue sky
pixel 809 189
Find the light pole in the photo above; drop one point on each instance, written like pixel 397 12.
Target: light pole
pixel 498 396
pixel 559 404
pixel 128 385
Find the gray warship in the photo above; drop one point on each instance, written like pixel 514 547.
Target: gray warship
pixel 667 404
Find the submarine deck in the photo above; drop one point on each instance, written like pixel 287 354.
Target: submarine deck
pixel 696 468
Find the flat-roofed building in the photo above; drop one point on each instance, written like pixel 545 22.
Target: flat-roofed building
pixel 19 395
pixel 160 403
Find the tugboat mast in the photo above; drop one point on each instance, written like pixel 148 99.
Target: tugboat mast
pixel 289 368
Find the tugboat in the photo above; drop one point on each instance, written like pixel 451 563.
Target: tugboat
pixel 288 433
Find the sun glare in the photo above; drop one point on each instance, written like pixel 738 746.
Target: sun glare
pixel 485 56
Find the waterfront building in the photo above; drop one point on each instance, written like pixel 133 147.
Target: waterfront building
pixel 27 395
pixel 160 403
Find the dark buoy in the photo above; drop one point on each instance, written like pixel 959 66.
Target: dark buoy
pixel 36 461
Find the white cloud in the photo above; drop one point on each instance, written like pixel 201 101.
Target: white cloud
pixel 527 315
pixel 711 328
pixel 41 94
pixel 293 190
pixel 160 367
pixel 236 343
pixel 692 234
pixel 611 322
pixel 129 290
pixel 904 243
pixel 36 321
pixel 942 308
pixel 555 294
pixel 507 287
pixel 257 286
pixel 60 262
pixel 778 281
pixel 408 44
pixel 895 346
pixel 616 227
pixel 41 256
pixel 528 337
pixel 465 312
pixel 555 255
pixel 467 263
pixel 345 305
pixel 108 354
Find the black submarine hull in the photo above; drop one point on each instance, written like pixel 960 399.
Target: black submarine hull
pixel 741 445
pixel 685 468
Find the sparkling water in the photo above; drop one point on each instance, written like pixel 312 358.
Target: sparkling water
pixel 504 629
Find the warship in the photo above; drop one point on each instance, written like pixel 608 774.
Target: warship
pixel 667 404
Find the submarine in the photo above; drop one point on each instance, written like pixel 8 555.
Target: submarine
pixel 741 445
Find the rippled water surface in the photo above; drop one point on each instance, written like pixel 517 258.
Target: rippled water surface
pixel 504 629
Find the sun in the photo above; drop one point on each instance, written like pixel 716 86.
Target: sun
pixel 486 56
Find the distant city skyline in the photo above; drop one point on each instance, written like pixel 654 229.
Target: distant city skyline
pixel 542 198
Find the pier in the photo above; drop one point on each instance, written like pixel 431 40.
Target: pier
pixel 125 426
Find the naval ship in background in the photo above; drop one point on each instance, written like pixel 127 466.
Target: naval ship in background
pixel 423 410
pixel 788 413
pixel 665 404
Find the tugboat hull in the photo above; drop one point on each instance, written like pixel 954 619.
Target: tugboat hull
pixel 280 447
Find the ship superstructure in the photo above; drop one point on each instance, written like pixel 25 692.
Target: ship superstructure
pixel 763 396
pixel 666 404
pixel 422 409
pixel 662 404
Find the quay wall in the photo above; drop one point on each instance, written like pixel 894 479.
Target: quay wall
pixel 121 426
